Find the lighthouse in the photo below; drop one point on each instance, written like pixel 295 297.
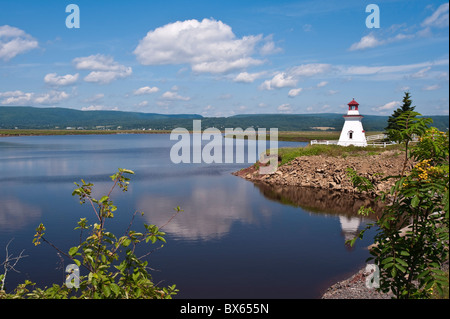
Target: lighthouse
pixel 352 132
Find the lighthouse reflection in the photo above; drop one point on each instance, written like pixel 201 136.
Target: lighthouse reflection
pixel 323 202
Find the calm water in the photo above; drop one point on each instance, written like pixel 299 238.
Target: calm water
pixel 234 239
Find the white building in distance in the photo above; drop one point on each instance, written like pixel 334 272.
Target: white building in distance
pixel 353 132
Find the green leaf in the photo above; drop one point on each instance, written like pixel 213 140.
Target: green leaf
pixel 404 253
pixel 73 251
pixel 126 242
pixel 393 272
pixel 103 199
pixel 115 289
pixel 387 260
pixel 415 201
pixel 400 268
pixel 401 262
pixel 106 290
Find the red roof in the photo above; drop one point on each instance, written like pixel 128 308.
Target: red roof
pixel 353 102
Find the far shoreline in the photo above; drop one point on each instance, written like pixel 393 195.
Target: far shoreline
pixel 285 136
pixel 44 132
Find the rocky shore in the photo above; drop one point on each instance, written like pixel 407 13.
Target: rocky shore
pixel 326 172
pixel 355 287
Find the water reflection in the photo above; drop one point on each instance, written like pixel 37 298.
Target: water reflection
pixel 15 215
pixel 209 211
pixel 325 202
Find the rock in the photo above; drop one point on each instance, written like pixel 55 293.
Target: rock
pixel 330 172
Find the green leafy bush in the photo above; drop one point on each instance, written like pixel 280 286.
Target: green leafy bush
pixel 411 243
pixel 113 269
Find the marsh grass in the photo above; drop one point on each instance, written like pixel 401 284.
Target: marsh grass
pixel 287 154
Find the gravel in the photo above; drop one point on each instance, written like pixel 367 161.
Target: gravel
pixel 355 288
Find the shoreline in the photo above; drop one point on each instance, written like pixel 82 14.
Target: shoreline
pixel 36 132
pixel 321 172
pixel 329 172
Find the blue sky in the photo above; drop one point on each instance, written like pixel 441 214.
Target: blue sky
pixel 221 58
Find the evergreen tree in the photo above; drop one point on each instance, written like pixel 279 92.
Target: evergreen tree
pixel 392 120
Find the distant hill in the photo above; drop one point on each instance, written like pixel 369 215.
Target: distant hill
pixel 25 117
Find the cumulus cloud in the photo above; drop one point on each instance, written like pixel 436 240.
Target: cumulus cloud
pixel 269 47
pixel 290 77
pixel 246 77
pixel 16 97
pixel 174 96
pixel 14 41
pixel 62 80
pixel 146 90
pixel 53 97
pixel 104 68
pixel 366 42
pixel 207 46
pixel 26 98
pixel 388 106
pixel 294 92
pixel 284 108
pixel 280 80
pixel 97 107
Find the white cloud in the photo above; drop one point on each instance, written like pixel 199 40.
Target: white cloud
pixel 294 92
pixel 142 104
pixel 26 98
pixel 207 46
pixel 14 41
pixel 246 77
pixel 431 87
pixel 104 68
pixel 174 96
pixel 269 47
pixel 368 41
pixel 16 97
pixel 372 70
pixel 284 108
pixel 387 106
pixel 53 97
pixel 421 73
pixel 322 84
pixel 332 92
pixel 439 18
pixel 280 80
pixel 291 76
pixel 310 69
pixel 146 90
pixel 63 80
pixel 96 107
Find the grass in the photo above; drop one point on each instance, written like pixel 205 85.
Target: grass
pixel 287 154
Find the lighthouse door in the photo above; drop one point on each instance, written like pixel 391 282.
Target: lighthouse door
pixel 350 134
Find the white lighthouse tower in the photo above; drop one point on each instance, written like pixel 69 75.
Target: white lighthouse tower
pixel 352 133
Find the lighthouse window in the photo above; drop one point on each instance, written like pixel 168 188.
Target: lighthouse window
pixel 350 134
